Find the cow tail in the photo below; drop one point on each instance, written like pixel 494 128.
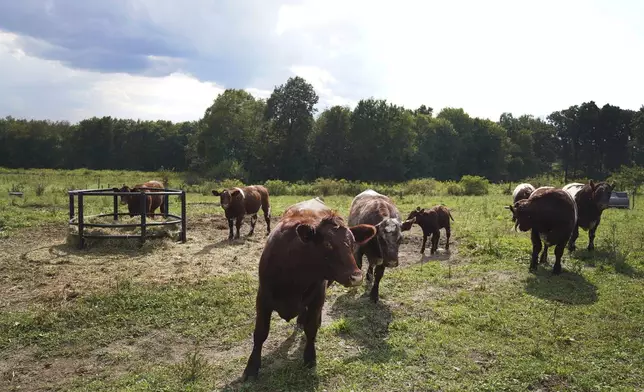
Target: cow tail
pixel 450 215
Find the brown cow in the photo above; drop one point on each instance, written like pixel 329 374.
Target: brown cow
pixel 370 207
pixel 239 202
pixel 551 214
pixel 134 201
pixel 310 245
pixel 431 222
pixel 591 199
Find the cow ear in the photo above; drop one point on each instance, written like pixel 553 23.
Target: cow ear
pixel 235 193
pixel 421 210
pixel 215 193
pixel 592 184
pixel 363 233
pixel 417 209
pixel 115 189
pixel 305 232
pixel 612 185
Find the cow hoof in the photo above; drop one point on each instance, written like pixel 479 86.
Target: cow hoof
pixel 556 271
pixel 250 234
pixel 249 375
pixel 572 248
pixel 591 248
pixel 374 298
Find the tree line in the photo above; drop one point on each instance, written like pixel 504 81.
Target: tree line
pixel 283 137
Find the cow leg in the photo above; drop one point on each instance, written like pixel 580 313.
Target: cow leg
pixel 573 238
pixel 262 326
pixel 422 248
pixel 301 318
pixel 435 237
pixel 591 236
pixel 370 272
pixel 312 323
pixel 559 250
pixel 230 228
pixel 536 248
pixel 447 235
pixel 267 218
pixel 253 221
pixel 379 272
pixel 238 224
pixel 544 255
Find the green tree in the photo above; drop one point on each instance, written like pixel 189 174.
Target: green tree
pixel 330 150
pixel 289 115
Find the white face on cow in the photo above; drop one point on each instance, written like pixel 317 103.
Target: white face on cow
pixel 389 239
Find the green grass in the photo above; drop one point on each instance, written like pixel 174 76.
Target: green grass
pixel 478 322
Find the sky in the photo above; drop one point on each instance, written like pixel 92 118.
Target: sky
pixel 165 59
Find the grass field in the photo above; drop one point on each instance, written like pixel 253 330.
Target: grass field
pixel 171 316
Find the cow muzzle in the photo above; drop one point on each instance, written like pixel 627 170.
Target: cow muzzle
pixel 355 279
pixel 391 263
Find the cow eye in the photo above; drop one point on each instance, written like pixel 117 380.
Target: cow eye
pixel 328 245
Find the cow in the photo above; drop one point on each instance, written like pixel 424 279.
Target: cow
pixel 430 221
pixel 134 201
pixel 522 191
pixel 370 207
pixel 551 214
pixel 309 246
pixel 591 200
pixel 242 201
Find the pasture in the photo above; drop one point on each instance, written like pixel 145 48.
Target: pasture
pixel 172 316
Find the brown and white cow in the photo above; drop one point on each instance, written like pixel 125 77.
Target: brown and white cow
pixel 134 201
pixel 522 191
pixel 370 207
pixel 551 214
pixel 310 245
pixel 591 199
pixel 431 222
pixel 239 202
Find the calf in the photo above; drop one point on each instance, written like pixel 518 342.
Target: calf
pixel 551 214
pixel 591 199
pixel 378 210
pixel 239 202
pixel 310 245
pixel 134 201
pixel 430 221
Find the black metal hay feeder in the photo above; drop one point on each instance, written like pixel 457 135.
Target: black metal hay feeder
pixel 80 220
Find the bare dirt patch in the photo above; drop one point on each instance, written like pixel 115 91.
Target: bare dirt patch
pixel 38 268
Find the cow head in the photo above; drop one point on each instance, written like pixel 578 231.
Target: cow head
pixel 411 219
pixel 227 196
pixel 336 242
pixel 601 193
pixel 521 215
pixel 133 201
pixel 124 198
pixel 389 238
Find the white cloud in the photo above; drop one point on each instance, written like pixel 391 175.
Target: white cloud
pixel 486 57
pixel 36 88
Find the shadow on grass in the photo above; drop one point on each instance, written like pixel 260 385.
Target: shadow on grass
pixel 603 258
pixel 568 287
pixel 281 371
pixel 367 325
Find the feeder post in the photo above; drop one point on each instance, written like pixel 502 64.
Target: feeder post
pixel 116 207
pixel 144 209
pixel 183 216
pixel 81 224
pixel 166 203
pixel 71 206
